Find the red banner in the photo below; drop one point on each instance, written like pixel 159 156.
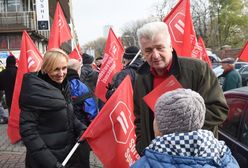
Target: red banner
pixel 111 135
pixel 168 84
pixel 30 60
pixel 75 54
pixel 60 31
pixel 244 53
pixel 111 64
pixel 182 31
pixel 204 55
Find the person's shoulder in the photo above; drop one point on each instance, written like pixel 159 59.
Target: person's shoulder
pixel 192 63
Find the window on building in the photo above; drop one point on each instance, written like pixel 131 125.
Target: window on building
pixel 14 41
pixel 3 42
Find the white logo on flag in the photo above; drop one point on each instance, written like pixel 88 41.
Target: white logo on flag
pixel 33 61
pixel 122 125
pixel 176 27
pixel 60 23
pixel 113 50
pixel 123 121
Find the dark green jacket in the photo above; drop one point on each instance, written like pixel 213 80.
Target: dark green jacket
pixel 191 73
pixel 232 80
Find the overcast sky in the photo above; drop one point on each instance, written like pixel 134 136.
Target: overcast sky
pixel 90 16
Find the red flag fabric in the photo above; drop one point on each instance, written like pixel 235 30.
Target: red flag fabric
pixel 111 135
pixel 111 64
pixel 75 54
pixel 30 60
pixel 60 31
pixel 244 53
pixel 204 55
pixel 182 31
pixel 168 84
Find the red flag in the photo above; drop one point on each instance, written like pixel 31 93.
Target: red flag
pixel 204 55
pixel 114 141
pixel 244 53
pixel 168 84
pixel 75 54
pixel 60 31
pixel 182 31
pixel 111 64
pixel 30 60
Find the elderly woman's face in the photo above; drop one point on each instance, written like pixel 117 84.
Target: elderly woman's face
pixel 59 73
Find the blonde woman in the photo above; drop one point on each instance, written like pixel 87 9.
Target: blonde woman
pixel 48 126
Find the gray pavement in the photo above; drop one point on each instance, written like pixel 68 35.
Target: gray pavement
pixel 13 156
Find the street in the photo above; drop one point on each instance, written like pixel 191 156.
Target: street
pixel 13 156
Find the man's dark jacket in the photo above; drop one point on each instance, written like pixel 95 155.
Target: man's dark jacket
pixel 7 82
pixel 119 77
pixel 48 126
pixel 191 73
pixel 89 76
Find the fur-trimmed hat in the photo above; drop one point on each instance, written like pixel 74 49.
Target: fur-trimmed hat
pixel 130 52
pixel 87 59
pixel 180 110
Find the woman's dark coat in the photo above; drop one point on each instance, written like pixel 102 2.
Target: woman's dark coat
pixel 48 126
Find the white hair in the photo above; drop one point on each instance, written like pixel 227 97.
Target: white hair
pixel 149 30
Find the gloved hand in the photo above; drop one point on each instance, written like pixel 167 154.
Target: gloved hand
pixel 59 165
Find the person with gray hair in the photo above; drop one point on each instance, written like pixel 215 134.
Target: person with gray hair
pixel 161 62
pixel 232 78
pixel 180 141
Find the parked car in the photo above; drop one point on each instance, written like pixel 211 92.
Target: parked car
pixel 243 71
pixel 238 65
pixel 234 131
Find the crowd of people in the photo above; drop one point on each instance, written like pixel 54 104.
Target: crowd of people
pixel 58 103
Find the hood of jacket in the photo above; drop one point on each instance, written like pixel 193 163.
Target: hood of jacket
pixel 38 94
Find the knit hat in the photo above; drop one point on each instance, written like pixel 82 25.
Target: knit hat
pixel 130 52
pixel 11 60
pixel 180 110
pixel 87 59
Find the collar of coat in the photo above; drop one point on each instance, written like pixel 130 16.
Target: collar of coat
pixel 201 143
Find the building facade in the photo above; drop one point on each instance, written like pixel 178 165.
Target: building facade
pixel 19 15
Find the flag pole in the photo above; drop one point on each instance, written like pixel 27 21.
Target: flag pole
pixel 70 153
pixel 135 57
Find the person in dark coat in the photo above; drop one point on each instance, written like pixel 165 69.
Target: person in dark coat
pixel 88 75
pixel 161 62
pixel 48 126
pixel 232 78
pixel 180 141
pixel 7 79
pixel 130 68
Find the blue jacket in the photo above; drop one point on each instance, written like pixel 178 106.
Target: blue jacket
pixel 184 150
pixel 78 88
pixel 160 160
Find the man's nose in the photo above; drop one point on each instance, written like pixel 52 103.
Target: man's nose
pixel 155 53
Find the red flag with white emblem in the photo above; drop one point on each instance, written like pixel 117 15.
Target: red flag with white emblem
pixel 29 61
pixel 60 31
pixel 182 31
pixel 111 135
pixel 111 64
